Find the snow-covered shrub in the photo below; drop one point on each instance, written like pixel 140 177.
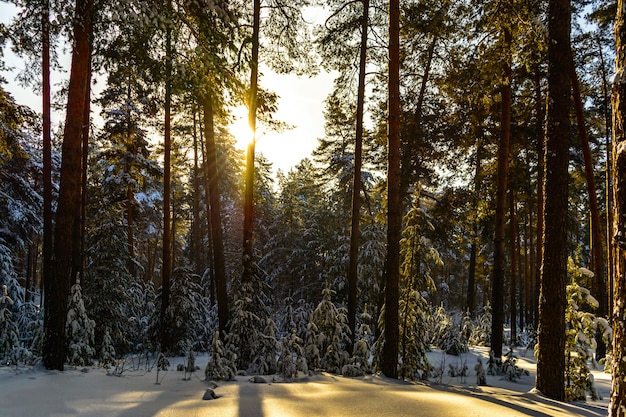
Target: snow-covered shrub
pixel 414 317
pixel 251 331
pixel 219 367
pixel 481 377
pixel 362 350
pixel 580 329
pixel 9 339
pixel 291 317
pixel 79 330
pixel 328 330
pixel 107 351
pixel 187 311
pixel 481 333
pixel 510 370
pixel 291 359
pixel 447 333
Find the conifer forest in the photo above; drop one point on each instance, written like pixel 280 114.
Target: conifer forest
pixel 468 190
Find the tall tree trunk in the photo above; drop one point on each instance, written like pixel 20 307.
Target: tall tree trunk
pixel 389 365
pixel 248 206
pixel 79 232
pixel 166 272
pixel 617 405
pixel 215 212
pixel 196 253
pixel 471 280
pixel 356 186
pixel 541 157
pixel 47 144
pixel 598 288
pixel 514 270
pixel 499 257
pixel 551 331
pixel 57 288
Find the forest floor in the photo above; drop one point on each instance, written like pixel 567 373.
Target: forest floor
pixel 94 392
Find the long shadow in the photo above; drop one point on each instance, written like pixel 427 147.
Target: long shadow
pixel 578 409
pixel 250 404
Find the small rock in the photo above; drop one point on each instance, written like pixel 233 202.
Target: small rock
pixel 258 380
pixel 209 394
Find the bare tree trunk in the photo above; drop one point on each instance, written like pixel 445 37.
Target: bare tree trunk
pixel 540 177
pixel 356 186
pixel 248 206
pixel 499 257
pixel 57 288
pixel 389 365
pixel 47 145
pixel 215 213
pixel 617 405
pixel 514 270
pixel 166 272
pixel 551 331
pixel 598 288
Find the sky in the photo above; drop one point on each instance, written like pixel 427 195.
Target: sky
pixel 300 104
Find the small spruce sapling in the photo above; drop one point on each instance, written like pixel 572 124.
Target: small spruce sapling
pixel 291 359
pixel 107 352
pixel 219 367
pixel 79 330
pixel 9 339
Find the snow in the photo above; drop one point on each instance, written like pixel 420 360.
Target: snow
pixel 94 392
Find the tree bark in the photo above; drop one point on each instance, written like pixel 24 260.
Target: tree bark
pixel 166 272
pixel 617 405
pixel 541 157
pixel 57 288
pixel 248 206
pixel 499 257
pixel 215 213
pixel 389 365
pixel 598 288
pixel 356 186
pixel 514 270
pixel 551 331
pixel 48 231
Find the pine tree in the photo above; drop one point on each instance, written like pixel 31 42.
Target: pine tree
pixel 220 367
pixel 9 339
pixel 292 358
pixel 79 330
pixel 580 330
pixel 327 335
pixel 107 351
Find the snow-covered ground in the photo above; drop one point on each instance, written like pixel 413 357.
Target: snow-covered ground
pixel 92 392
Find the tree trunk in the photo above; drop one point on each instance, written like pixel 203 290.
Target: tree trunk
pixel 47 144
pixel 499 257
pixel 514 270
pixel 541 157
pixel 389 365
pixel 356 186
pixel 598 288
pixel 57 288
pixel 196 253
pixel 215 212
pixel 248 206
pixel 471 280
pixel 551 331
pixel 617 405
pixel 79 233
pixel 166 272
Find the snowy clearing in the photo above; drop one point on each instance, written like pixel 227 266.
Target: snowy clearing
pixel 91 392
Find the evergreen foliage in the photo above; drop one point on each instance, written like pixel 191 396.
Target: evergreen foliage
pixel 327 335
pixel 251 330
pixel 580 330
pixel 220 366
pixel 79 330
pixel 291 357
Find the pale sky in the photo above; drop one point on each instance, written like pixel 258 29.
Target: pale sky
pixel 301 104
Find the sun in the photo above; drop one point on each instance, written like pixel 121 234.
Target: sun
pixel 239 127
